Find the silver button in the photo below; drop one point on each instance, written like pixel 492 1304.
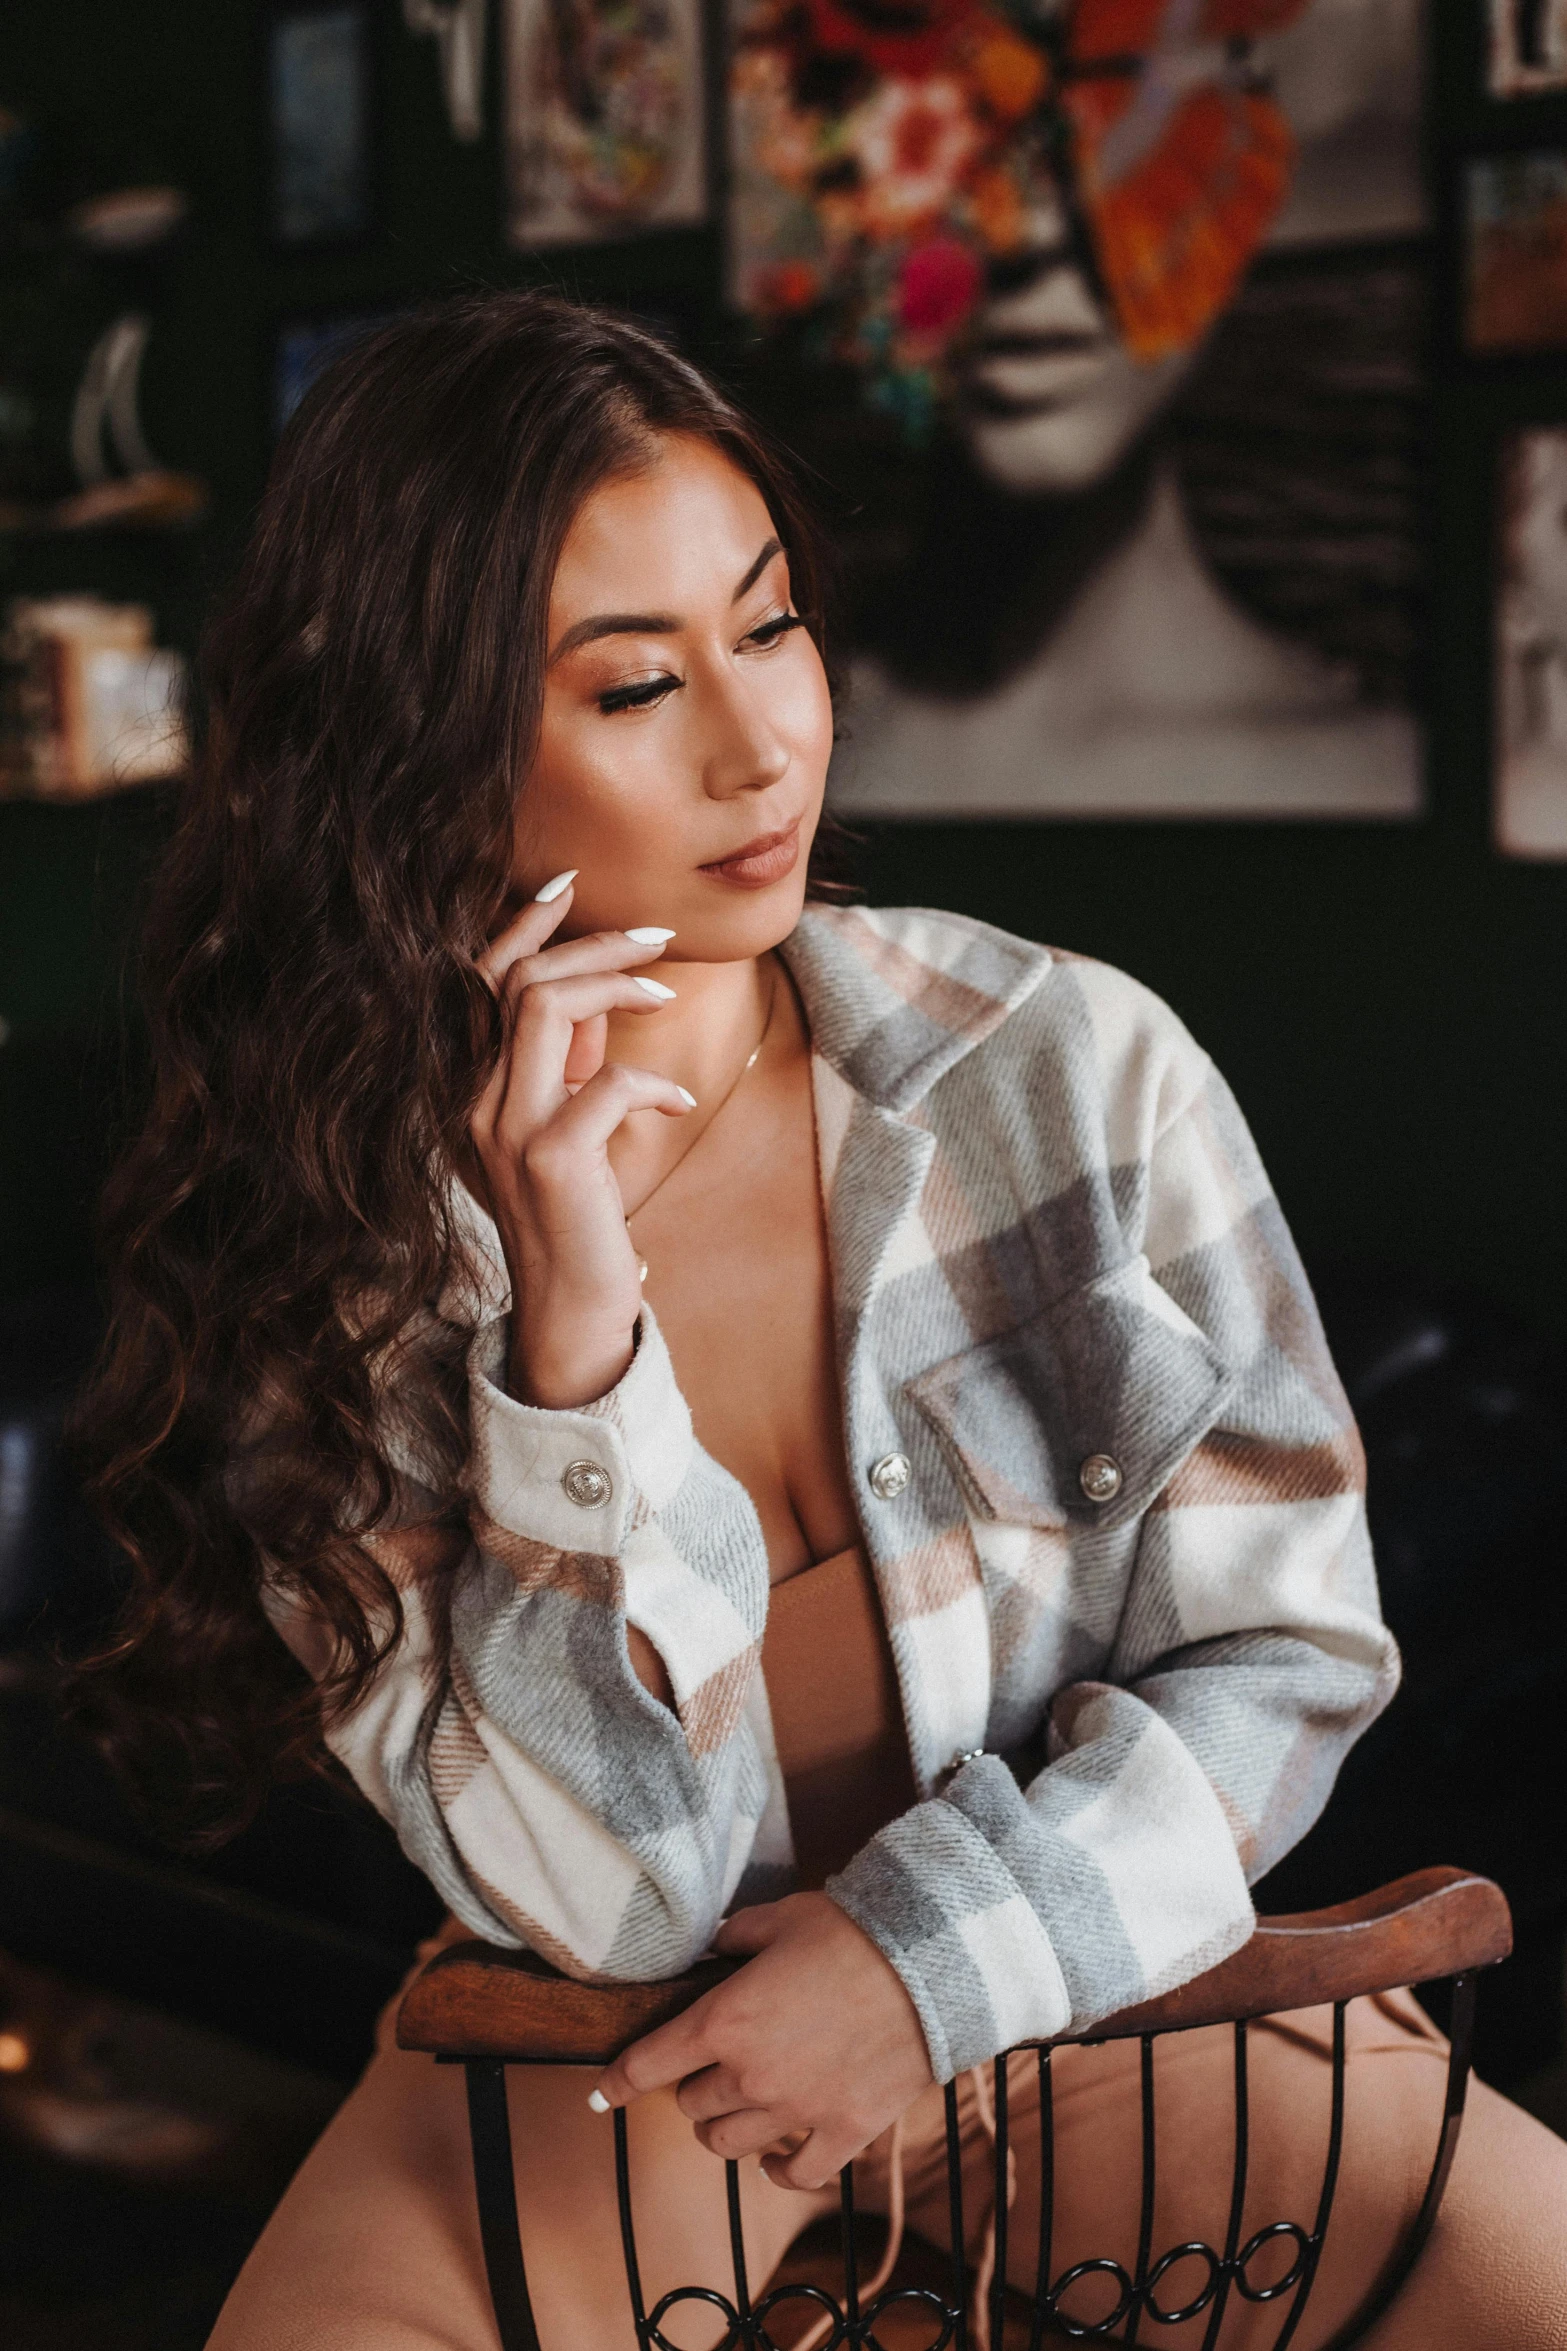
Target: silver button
pixel 586 1484
pixel 889 1476
pixel 1100 1477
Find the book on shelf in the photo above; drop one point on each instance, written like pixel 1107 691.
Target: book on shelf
pixel 89 702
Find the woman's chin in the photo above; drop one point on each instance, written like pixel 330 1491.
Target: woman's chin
pixel 742 924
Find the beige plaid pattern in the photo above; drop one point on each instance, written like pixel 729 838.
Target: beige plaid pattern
pixel 1051 1238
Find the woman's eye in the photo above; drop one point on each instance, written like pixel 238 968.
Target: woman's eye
pixel 771 631
pixel 641 696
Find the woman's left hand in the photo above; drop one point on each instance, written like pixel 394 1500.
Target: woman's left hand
pixel 816 2035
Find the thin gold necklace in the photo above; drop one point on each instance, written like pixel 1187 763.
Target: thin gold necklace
pixel 749 1063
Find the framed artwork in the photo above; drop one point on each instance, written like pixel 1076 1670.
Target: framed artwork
pixel 605 129
pixel 305 346
pixel 318 66
pixel 1528 47
pixel 1529 703
pixel 1515 251
pixel 1133 317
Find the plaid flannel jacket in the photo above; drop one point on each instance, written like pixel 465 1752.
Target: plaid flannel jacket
pixel 1051 1240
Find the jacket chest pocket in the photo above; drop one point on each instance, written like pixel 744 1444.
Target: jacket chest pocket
pixel 1080 1416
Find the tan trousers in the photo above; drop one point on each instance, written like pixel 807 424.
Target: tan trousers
pixel 375 2246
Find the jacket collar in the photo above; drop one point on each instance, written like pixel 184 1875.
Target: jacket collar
pixel 895 996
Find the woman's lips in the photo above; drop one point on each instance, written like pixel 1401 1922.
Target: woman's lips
pixel 765 860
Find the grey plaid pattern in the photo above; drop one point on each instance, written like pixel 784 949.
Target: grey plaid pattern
pixel 1051 1238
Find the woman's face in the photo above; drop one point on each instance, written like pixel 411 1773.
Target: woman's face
pixel 687 726
pixel 1052 399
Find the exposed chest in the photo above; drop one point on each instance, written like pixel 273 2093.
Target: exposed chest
pixel 738 1276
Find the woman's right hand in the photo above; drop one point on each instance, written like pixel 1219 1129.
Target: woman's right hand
pixel 541 1131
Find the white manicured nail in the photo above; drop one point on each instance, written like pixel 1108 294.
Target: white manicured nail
pixel 598 2102
pixel 688 1099
pixel 552 890
pixel 649 936
pixel 653 988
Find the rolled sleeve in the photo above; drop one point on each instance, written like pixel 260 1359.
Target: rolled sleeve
pixel 1015 1915
pixel 532 1469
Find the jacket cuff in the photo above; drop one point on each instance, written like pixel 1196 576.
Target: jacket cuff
pixel 577 1480
pixel 1121 1845
pixel 951 1919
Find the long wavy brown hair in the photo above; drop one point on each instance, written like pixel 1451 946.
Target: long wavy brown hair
pixel 371 694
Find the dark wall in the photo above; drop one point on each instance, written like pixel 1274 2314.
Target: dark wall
pixel 1390 1004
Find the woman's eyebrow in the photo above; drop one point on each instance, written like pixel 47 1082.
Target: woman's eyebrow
pixel 615 624
pixel 650 624
pixel 774 546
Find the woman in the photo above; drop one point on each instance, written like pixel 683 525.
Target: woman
pixel 972 1404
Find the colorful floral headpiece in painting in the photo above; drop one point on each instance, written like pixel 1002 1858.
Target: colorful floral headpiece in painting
pixel 885 151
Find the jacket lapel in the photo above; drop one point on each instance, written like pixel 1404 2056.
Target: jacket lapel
pixel 892 1002
pixel 894 998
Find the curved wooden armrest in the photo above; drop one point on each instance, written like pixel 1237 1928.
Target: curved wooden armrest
pixel 1436 1922
pixel 474 2000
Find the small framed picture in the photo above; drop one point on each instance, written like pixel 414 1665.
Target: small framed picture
pixel 1515 251
pixel 305 346
pixel 1528 47
pixel 318 69
pixel 1529 701
pixel 606 116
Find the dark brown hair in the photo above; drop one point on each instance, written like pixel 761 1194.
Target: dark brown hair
pixel 319 1033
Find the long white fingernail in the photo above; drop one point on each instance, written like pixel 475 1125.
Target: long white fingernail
pixel 598 2102
pixel 653 988
pixel 688 1099
pixel 649 936
pixel 552 890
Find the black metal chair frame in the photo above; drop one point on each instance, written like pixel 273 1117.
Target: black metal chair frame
pixel 1137 2293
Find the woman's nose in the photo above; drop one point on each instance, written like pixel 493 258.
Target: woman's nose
pixel 748 750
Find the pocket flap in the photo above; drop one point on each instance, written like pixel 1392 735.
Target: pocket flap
pixel 1114 1369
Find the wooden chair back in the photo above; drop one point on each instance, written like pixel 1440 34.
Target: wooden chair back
pixel 486 2008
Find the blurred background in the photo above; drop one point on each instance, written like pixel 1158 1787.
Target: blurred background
pixel 1186 392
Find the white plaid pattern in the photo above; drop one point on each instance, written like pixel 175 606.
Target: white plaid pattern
pixel 1050 1237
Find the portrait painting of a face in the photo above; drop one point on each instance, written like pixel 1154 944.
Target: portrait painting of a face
pixel 1141 284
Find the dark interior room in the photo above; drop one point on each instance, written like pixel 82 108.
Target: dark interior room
pixel 1340 874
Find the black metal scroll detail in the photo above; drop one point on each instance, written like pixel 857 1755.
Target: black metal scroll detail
pixel 1137 2293
pixel 1137 2296
pixel 745 2322
pixel 957 2307
pixel 752 2334
pixel 1232 2231
pixel 853 2328
pixel 489 2128
pixel 999 2201
pixel 1461 2026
